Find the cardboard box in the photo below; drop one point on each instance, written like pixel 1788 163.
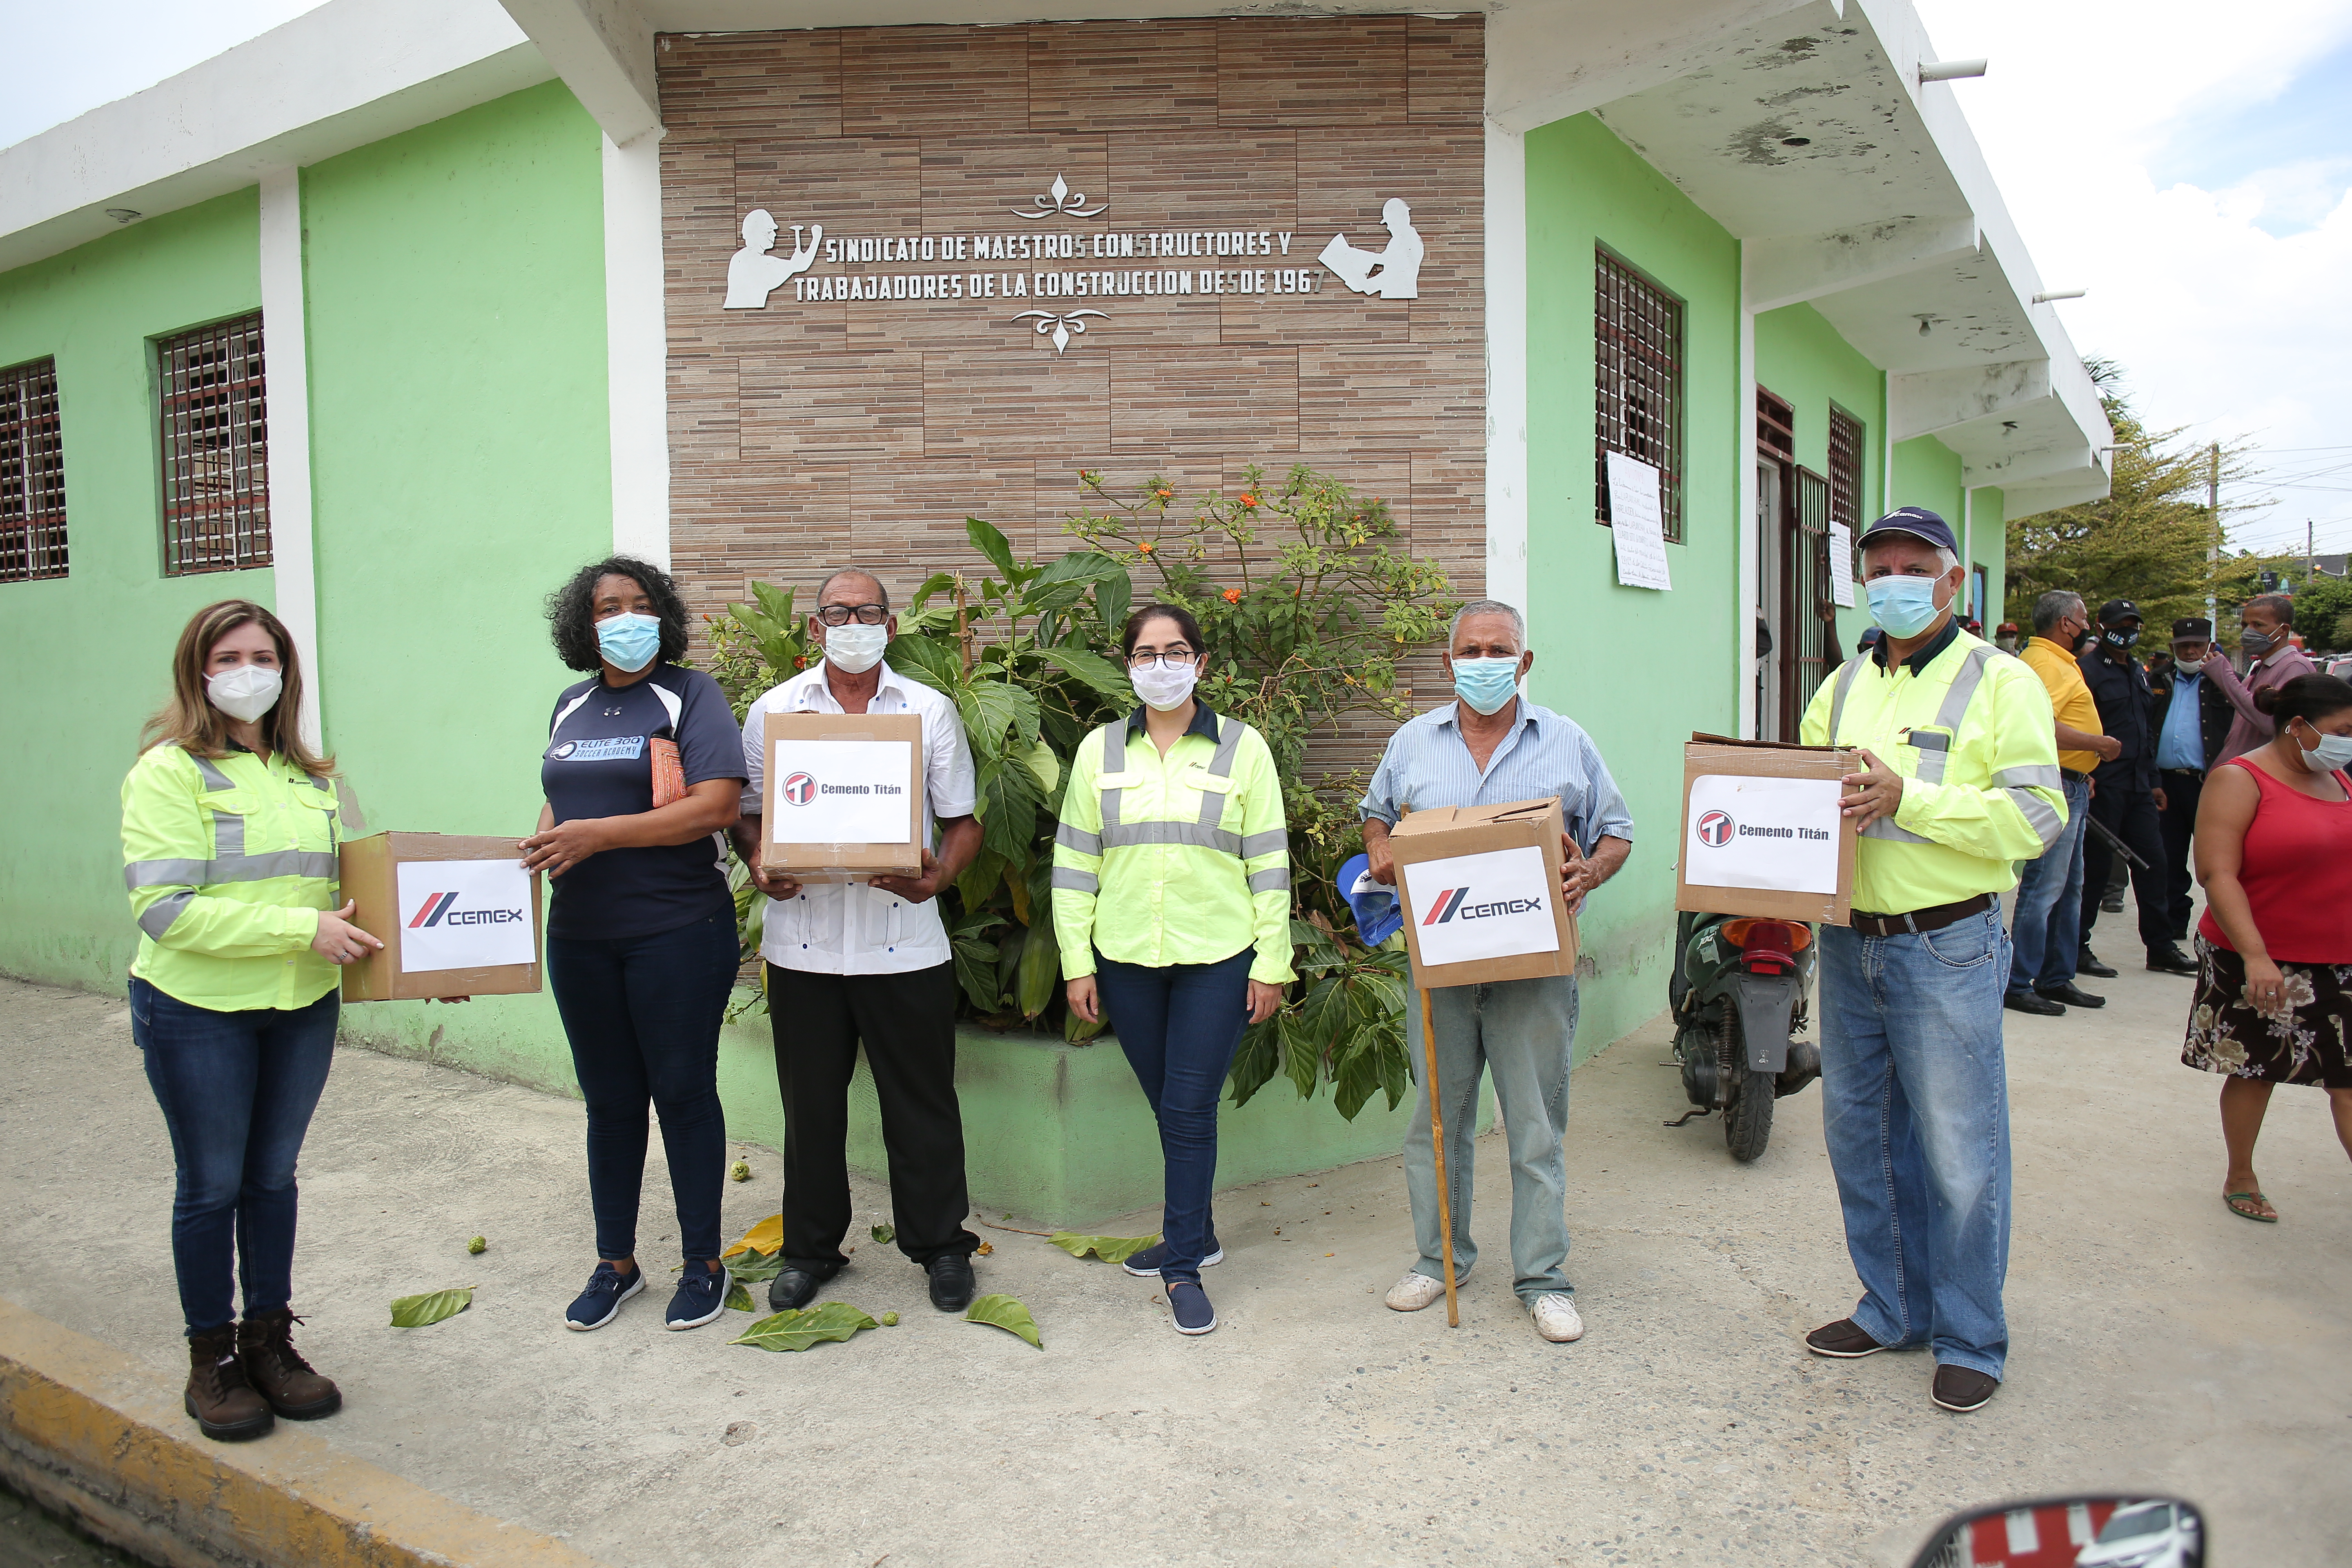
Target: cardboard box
pixel 457 916
pixel 1762 832
pixel 1481 890
pixel 845 796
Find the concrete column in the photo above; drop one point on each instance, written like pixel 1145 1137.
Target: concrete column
pixel 637 349
pixel 1507 371
pixel 286 354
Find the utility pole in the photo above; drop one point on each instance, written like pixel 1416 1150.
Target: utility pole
pixel 2310 559
pixel 2213 511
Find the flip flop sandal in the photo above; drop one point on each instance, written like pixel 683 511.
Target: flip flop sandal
pixel 2234 1199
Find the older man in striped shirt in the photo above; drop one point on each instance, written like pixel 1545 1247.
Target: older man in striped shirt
pixel 1489 746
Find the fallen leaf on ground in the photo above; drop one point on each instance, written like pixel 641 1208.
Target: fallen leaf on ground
pixel 803 1327
pixel 985 1247
pixel 1110 1248
pixel 883 1234
pixel 1004 1312
pixel 421 1311
pixel 738 1299
pixel 768 1235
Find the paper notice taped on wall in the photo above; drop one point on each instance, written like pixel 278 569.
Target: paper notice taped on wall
pixel 463 914
pixel 1637 517
pixel 1842 565
pixel 1779 833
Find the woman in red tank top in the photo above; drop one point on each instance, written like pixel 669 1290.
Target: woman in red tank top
pixel 2274 1000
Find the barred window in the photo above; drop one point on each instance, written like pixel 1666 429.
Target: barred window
pixel 216 448
pixel 1845 468
pixel 1637 382
pixel 32 474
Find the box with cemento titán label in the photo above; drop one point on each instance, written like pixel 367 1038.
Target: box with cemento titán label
pixel 845 796
pixel 1480 885
pixel 1763 831
pixel 457 916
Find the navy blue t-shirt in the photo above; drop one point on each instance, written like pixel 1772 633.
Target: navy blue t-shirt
pixel 599 763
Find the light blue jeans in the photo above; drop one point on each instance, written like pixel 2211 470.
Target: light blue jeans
pixel 2048 931
pixel 1915 1111
pixel 1523 1032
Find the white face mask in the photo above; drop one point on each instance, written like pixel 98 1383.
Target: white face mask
pixel 246 691
pixel 856 647
pixel 1165 686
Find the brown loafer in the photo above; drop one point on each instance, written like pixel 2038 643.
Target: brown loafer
pixel 1961 1388
pixel 1842 1339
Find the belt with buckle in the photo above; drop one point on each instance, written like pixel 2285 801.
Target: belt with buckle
pixel 2080 778
pixel 2192 772
pixel 1919 923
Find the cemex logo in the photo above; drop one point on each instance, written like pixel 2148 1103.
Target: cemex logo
pixel 800 789
pixel 437 911
pixel 1715 828
pixel 1455 902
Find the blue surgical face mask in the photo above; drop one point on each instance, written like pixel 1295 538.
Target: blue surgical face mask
pixel 628 640
pixel 1486 684
pixel 1903 606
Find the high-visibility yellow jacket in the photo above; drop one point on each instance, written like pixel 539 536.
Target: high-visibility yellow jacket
pixel 230 861
pixel 1970 729
pixel 1184 858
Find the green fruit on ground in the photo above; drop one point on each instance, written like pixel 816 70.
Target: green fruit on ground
pixel 889 1319
pixel 478 1246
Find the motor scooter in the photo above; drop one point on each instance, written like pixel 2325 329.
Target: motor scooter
pixel 1738 997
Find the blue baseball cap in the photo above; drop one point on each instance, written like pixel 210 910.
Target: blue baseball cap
pixel 1378 914
pixel 1915 521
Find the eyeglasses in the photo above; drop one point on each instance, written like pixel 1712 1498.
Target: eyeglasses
pixel 1160 660
pixel 868 614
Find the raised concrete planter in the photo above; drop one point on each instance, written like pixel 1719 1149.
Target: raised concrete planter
pixel 1061 1132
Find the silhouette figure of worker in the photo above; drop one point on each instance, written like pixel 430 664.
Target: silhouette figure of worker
pixel 752 273
pixel 1392 272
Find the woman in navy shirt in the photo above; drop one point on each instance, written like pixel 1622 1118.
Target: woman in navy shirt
pixel 643 775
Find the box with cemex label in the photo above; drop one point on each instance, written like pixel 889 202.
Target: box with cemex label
pixel 845 796
pixel 457 916
pixel 1480 885
pixel 1763 830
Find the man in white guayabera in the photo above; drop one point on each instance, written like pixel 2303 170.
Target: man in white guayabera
pixel 1393 272
pixel 753 274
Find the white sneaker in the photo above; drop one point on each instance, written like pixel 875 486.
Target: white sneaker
pixel 1556 1318
pixel 1416 1290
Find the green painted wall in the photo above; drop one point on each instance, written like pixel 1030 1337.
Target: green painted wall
pixel 1585 188
pixel 95 646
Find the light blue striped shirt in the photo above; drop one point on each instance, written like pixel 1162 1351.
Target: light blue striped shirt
pixel 1428 763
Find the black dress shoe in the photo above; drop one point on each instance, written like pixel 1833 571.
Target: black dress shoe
pixel 2070 994
pixel 2031 1002
pixel 791 1288
pixel 2170 961
pixel 2087 962
pixel 952 1281
pixel 1961 1388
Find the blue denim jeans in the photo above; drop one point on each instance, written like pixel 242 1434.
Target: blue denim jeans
pixel 1179 1026
pixel 1523 1032
pixel 1915 1109
pixel 643 1015
pixel 237 1090
pixel 2047 933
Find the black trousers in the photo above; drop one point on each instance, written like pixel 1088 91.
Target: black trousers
pixel 2178 817
pixel 906 1024
pixel 2130 816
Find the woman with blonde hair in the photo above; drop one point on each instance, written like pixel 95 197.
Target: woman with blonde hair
pixel 228 850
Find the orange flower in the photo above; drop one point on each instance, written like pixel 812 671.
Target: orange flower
pixel 1248 499
pixel 1232 596
pixel 1163 494
pixel 1144 545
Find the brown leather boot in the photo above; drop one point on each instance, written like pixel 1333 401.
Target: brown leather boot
pixel 266 1344
pixel 218 1396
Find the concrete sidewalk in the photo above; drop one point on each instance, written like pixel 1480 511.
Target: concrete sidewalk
pixel 2161 1343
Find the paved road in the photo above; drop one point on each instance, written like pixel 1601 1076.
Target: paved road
pixel 2161 1343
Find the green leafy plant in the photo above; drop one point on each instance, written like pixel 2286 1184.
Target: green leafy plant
pixel 1110 1248
pixel 1004 1312
pixel 804 1326
pixel 431 1307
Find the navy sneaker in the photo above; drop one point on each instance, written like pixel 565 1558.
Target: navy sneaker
pixel 601 1302
pixel 1191 1305
pixel 1145 1264
pixel 701 1295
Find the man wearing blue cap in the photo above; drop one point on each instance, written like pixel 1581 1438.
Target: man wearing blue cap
pixel 1961 780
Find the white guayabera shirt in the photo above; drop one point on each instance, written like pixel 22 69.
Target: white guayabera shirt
pixel 849 928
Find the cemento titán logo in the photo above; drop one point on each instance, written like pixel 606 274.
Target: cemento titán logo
pixel 1455 902
pixel 800 789
pixel 1715 828
pixel 439 909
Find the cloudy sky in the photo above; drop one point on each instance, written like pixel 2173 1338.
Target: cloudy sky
pixel 2188 167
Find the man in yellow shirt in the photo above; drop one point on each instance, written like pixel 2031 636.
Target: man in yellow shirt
pixel 2046 935
pixel 1961 780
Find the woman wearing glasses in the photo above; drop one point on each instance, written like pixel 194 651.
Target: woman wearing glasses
pixel 1172 904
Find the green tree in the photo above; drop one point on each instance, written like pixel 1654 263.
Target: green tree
pixel 2323 614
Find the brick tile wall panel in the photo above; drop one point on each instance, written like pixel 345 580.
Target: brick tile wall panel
pixel 1122 77
pixel 1446 70
pixel 718 87
pixel 1328 70
pixel 945 82
pixel 1406 396
pixel 705 406
pixel 971 182
pixel 908 518
pixel 839 405
pixel 1197 400
pixel 1007 404
pixel 1204 179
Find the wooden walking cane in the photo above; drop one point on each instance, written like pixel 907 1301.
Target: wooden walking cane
pixel 1437 1157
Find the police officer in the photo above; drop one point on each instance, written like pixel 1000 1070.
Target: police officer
pixel 2127 798
pixel 2194 719
pixel 1961 781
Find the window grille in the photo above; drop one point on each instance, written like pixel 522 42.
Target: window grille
pixel 32 474
pixel 1776 426
pixel 216 448
pixel 1637 382
pixel 1845 468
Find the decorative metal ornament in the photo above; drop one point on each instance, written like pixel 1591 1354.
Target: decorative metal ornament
pixel 1062 201
pixel 1060 326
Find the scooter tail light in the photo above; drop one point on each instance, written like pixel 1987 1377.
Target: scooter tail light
pixel 1768 946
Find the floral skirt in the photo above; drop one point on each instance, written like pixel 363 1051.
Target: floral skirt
pixel 2309 1044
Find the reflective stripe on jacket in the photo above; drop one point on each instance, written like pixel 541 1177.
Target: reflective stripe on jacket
pixel 1177 859
pixel 230 861
pixel 1973 736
